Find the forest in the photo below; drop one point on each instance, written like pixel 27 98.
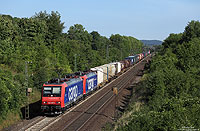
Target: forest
pixel 36 49
pixel 171 88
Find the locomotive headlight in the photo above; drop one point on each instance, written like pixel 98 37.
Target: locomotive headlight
pixel 58 102
pixel 44 102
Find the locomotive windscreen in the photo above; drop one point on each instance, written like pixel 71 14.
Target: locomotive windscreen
pixel 52 91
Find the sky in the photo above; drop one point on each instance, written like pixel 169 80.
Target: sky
pixel 142 19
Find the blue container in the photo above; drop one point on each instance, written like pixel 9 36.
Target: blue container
pixel 131 58
pixel 136 58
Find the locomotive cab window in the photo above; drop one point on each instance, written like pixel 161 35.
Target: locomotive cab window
pixel 47 90
pixel 52 91
pixel 56 90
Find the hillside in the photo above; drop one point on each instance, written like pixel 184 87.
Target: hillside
pixel 170 88
pixel 39 46
pixel 151 42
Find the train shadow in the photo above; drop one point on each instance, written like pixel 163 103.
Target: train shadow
pixel 135 93
pixel 34 110
pixel 125 99
pixel 140 73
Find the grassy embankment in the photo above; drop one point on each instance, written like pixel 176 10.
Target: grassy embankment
pixel 136 102
pixel 17 115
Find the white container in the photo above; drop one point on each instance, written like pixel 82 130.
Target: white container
pixel 99 72
pixel 111 69
pixel 118 67
pixel 105 72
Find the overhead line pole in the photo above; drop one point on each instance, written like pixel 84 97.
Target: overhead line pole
pixel 107 53
pixel 75 66
pixel 26 86
pixel 27 90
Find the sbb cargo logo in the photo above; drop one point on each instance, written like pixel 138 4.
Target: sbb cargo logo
pixel 91 84
pixel 73 93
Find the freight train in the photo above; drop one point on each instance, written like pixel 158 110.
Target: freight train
pixel 60 94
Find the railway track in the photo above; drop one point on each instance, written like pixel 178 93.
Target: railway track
pixel 77 122
pixel 82 119
pixel 41 124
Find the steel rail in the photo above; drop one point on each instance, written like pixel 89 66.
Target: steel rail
pixel 111 97
pixel 44 126
pixel 119 84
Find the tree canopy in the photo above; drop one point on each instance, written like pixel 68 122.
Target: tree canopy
pixel 172 85
pixel 51 52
